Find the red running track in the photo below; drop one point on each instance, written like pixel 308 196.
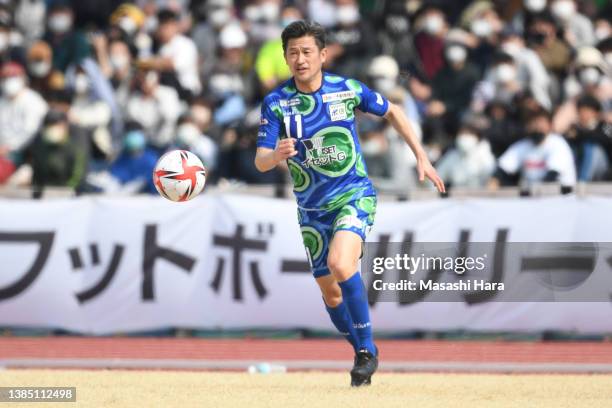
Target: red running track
pixel 328 350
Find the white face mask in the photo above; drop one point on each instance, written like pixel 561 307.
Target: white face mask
pixel 466 142
pixel 602 32
pixel 55 134
pixel 128 25
pixel 347 14
pixel 269 11
pixel 589 76
pixel 39 69
pixel 481 28
pixel 60 23
pixel 81 84
pixel 12 86
pixel 219 17
pixel 505 73
pixel 433 24
pixel 535 6
pixel 4 41
pixel 151 24
pixel 384 85
pixel 456 53
pixel 119 61
pixel 151 79
pixel 563 9
pixel 187 134
pixel 511 48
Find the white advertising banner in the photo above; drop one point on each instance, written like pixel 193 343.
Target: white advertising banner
pixel 106 265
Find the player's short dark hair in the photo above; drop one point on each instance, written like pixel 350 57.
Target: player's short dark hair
pixel 303 28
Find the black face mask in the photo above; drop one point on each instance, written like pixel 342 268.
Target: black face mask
pixel 536 137
pixel 536 38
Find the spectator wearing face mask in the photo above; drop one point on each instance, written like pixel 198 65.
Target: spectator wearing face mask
pixel 454 85
pixel 155 107
pixel 121 71
pixel 591 141
pixel 384 77
pixel 189 137
pixel 10 41
pixel 395 36
pixel 431 27
pixel 262 21
pixel 522 19
pixel 134 166
pixel 22 111
pixel 470 163
pixel 177 57
pixel 531 72
pixel 55 158
pixel 29 18
pixel 270 64
pixel 578 29
pixel 354 39
pixel 69 46
pixel 90 113
pixel 501 83
pixel 482 21
pixel 211 17
pixel 43 78
pixel 128 23
pixel 589 78
pixel 603 26
pixel 541 36
pixel 323 12
pixel 542 156
pixel 228 84
pixel 504 128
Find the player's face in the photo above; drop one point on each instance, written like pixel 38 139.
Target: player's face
pixel 304 58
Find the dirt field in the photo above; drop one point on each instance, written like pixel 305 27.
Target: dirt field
pixel 313 389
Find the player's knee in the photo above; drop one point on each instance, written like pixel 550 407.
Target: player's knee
pixel 340 266
pixel 333 300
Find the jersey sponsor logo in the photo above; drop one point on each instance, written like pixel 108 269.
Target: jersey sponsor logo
pixel 263 121
pixel 261 134
pixel 288 103
pixel 338 96
pixel 349 221
pixel 319 155
pixel 337 111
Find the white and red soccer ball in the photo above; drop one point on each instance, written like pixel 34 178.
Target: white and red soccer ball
pixel 179 175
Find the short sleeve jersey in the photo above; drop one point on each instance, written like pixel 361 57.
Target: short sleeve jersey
pixel 328 170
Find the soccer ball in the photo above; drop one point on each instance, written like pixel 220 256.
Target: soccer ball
pixel 179 175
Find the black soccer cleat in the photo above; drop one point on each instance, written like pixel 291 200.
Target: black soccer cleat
pixel 365 366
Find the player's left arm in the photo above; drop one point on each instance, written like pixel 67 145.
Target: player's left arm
pixel 396 116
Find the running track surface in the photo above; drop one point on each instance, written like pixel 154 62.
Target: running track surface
pixel 173 353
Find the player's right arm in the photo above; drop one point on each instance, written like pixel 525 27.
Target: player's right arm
pixel 271 149
pixel 266 159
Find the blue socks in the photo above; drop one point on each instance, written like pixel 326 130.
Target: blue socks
pixel 341 318
pixel 355 297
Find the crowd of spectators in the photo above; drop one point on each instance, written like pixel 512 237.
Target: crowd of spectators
pixel 501 93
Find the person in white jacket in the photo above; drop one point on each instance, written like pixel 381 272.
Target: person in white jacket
pixel 22 111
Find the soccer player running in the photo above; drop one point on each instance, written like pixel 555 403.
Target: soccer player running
pixel 309 121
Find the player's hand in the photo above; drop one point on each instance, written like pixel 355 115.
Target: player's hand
pixel 425 169
pixel 285 149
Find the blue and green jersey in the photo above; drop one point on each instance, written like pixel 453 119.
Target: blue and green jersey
pixel 329 170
